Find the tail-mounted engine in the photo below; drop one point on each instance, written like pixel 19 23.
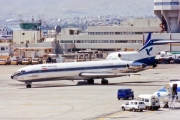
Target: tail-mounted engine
pixel 136 66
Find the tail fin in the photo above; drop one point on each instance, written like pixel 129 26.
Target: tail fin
pixel 148 38
pixel 147 42
pixel 149 51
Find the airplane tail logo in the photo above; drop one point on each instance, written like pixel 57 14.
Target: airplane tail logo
pixel 149 50
pixel 146 44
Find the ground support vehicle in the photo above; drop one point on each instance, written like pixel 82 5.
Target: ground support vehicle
pixel 151 102
pixel 5 61
pixel 26 61
pixel 37 61
pixel 125 93
pixel 134 106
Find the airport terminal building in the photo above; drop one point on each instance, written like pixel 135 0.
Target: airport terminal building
pixel 129 35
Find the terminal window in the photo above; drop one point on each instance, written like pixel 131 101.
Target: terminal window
pixel 166 3
pixel 2 48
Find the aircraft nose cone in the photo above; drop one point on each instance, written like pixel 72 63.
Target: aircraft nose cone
pixel 12 77
pixel 157 94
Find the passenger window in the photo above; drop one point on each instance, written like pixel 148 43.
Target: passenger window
pixel 127 103
pixel 146 100
pixel 135 103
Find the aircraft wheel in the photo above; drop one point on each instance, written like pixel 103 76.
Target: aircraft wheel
pixel 154 65
pixel 166 106
pixel 132 97
pixel 134 110
pixel 91 81
pixel 28 86
pixel 104 82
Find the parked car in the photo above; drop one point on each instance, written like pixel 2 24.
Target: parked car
pixel 5 61
pixel 125 93
pixel 16 61
pixel 151 102
pixel 37 61
pixel 134 106
pixel 26 61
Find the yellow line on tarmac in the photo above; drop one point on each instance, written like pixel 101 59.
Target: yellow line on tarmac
pixel 112 115
pixel 149 112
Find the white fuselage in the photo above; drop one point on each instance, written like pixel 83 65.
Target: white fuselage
pixel 69 71
pixel 165 96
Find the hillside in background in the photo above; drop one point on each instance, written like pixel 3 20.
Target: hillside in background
pixel 71 8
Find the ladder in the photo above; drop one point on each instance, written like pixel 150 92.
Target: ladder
pixel 173 98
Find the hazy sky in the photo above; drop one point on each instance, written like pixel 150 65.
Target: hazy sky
pixel 61 8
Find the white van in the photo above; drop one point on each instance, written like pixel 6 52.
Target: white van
pixel 151 102
pixel 134 106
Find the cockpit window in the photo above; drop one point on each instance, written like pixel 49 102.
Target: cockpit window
pixel 17 73
pixel 23 71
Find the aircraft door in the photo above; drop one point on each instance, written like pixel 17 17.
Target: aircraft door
pixel 174 89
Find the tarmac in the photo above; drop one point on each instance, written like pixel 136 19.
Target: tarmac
pixel 76 100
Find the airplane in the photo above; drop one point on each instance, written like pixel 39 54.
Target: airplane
pixel 169 93
pixel 91 70
pixel 124 55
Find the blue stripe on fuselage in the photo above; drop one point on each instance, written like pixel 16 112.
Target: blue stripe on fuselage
pixel 72 69
pixel 164 90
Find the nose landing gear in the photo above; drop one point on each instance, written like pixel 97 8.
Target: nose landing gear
pixel 28 84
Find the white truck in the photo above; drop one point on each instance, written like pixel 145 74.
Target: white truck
pixel 134 106
pixel 165 57
pixel 151 102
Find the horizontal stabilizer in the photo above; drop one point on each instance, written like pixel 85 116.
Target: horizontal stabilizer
pixel 166 41
pixel 175 80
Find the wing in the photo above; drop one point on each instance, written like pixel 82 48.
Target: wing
pixel 104 75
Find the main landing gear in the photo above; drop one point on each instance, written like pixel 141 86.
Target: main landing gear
pixel 103 81
pixel 28 84
pixel 166 105
pixel 90 81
